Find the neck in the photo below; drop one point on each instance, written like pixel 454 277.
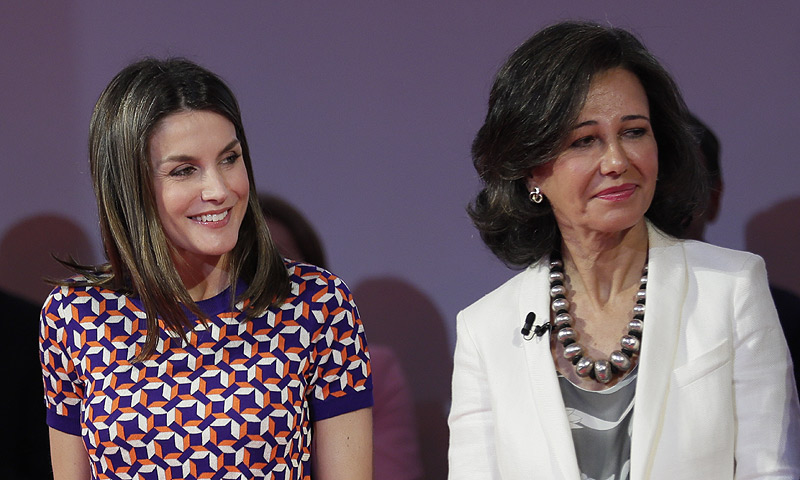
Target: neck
pixel 203 277
pixel 603 265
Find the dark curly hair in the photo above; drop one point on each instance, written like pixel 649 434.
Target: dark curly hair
pixel 536 98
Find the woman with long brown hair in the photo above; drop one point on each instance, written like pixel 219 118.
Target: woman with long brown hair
pixel 196 350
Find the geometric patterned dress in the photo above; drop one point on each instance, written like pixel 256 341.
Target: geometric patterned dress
pixel 237 401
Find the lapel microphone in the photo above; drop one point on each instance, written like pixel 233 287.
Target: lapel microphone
pixel 539 330
pixel 526 329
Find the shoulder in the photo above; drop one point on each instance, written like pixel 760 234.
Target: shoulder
pixel 308 279
pixel 713 258
pixel 76 298
pixel 724 260
pixel 732 278
pixel 314 289
pixel 71 311
pixel 80 285
pixel 703 256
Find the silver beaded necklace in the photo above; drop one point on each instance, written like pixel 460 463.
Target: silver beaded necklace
pixel 619 361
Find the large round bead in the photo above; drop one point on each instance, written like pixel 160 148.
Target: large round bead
pixel 563 320
pixel 557 290
pixel 638 309
pixel 641 295
pixel 571 350
pixel 584 366
pixel 602 371
pixel 629 342
pixel 560 304
pixel 620 360
pixel 556 263
pixel 556 277
pixel 636 326
pixel 643 280
pixel 565 334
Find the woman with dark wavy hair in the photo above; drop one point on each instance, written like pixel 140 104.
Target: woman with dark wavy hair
pixel 619 351
pixel 196 351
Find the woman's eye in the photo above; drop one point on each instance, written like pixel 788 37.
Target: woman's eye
pixel 582 142
pixel 232 158
pixel 182 171
pixel 635 132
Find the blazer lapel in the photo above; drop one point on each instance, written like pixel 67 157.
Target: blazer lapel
pixel 666 290
pixel 550 410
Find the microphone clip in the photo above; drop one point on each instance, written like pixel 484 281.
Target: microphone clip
pixel 538 330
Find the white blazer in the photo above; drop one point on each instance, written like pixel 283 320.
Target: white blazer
pixel 715 395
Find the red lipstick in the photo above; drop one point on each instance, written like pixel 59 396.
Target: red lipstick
pixel 618 193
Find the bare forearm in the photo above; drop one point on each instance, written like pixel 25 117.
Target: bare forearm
pixel 343 447
pixel 69 457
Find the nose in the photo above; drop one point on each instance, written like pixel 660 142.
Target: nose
pixel 214 187
pixel 614 160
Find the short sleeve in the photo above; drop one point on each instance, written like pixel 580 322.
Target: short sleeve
pixel 63 389
pixel 342 377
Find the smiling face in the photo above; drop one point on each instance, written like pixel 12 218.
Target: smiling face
pixel 604 179
pixel 201 185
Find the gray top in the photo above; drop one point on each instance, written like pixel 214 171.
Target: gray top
pixel 601 427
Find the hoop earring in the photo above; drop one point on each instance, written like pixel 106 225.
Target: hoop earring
pixel 536 195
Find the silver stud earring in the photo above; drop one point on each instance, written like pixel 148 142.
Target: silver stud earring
pixel 536 195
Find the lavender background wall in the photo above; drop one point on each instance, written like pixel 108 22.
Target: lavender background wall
pixel 362 113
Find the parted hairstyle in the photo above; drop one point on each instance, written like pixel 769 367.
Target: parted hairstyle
pixel 137 249
pixel 535 100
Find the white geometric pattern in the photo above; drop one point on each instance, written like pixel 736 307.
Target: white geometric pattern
pixel 235 402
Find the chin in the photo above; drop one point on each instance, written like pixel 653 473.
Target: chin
pixel 208 253
pixel 620 224
pixel 222 250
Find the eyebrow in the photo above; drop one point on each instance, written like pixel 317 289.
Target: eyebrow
pixel 183 158
pixel 624 119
